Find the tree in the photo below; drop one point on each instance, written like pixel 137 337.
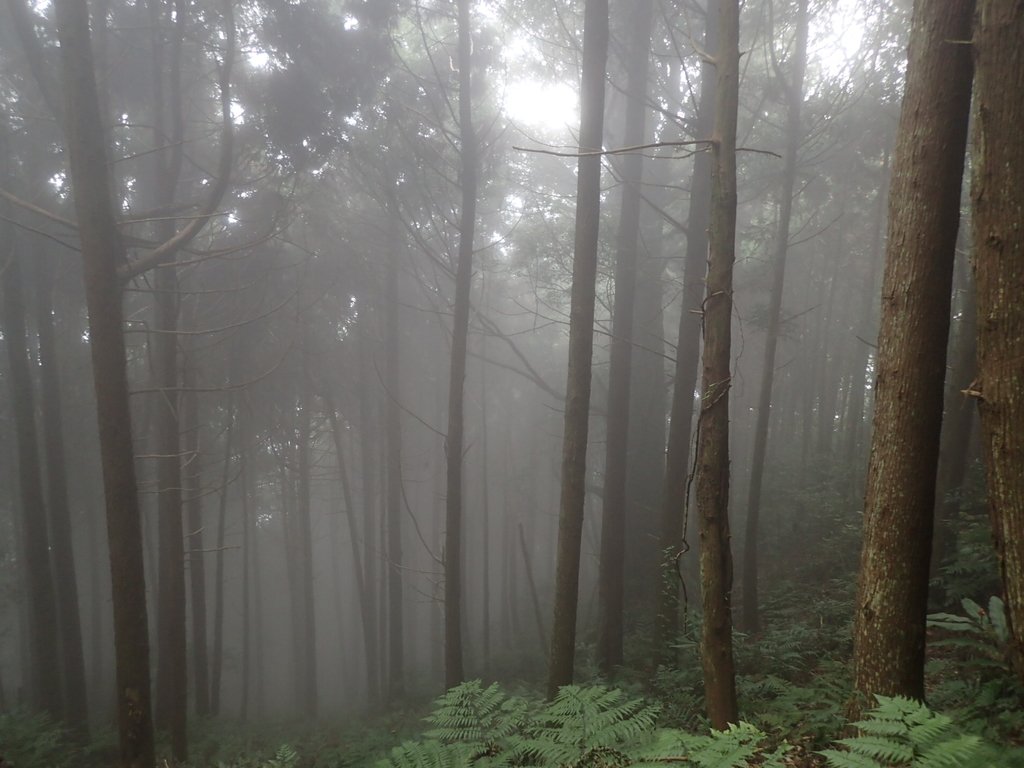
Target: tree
pixel 677 453
pixel 613 522
pixel 924 206
pixel 44 670
pixel 997 194
pixel 453 596
pixel 712 492
pixel 793 85
pixel 102 252
pixel 581 346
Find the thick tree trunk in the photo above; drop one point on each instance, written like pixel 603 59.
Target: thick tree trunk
pixel 998 199
pixel 924 208
pixel 581 347
pixel 794 87
pixel 368 470
pixel 673 531
pixel 44 678
pixel 611 577
pixel 453 597
pixel 712 494
pixel 102 251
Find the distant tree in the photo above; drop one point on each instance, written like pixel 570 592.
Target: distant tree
pixel 997 193
pixel 712 492
pixel 581 346
pixel 611 577
pixel 924 208
pixel 453 559
pixel 793 86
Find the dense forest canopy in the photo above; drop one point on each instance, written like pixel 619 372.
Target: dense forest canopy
pixel 658 360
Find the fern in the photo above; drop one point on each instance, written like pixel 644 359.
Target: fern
pixel 903 732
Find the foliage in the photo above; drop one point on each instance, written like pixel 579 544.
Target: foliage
pixel 583 726
pixel 972 669
pixel 903 732
pixel 35 740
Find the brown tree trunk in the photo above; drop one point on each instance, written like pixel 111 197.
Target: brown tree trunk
pixel 612 573
pixel 76 711
pixel 794 87
pixel 453 674
pixel 581 347
pixel 924 208
pixel 998 199
pixel 102 251
pixel 712 494
pixel 44 678
pixel 677 457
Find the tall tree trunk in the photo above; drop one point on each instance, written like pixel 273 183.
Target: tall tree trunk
pixel 217 660
pixel 393 434
pixel 712 492
pixel 794 87
pixel 76 711
pixel 44 676
pixel 611 577
pixel 194 514
pixel 998 198
pixel 102 251
pixel 581 347
pixel 304 545
pixel 924 210
pixel 368 462
pixel 365 614
pixel 673 531
pixel 249 533
pixel 453 673
pixel 485 513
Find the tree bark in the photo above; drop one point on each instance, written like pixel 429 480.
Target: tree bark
pixel 581 348
pixel 217 656
pixel 712 494
pixel 102 251
pixel 794 87
pixel 998 198
pixel 673 531
pixel 612 573
pixel 924 208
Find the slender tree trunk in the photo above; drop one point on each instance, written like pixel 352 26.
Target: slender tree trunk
pixel 196 562
pixel 44 670
pixel 794 87
pixel 581 348
pixel 357 554
pixel 307 639
pixel 673 544
pixel 924 209
pixel 712 492
pixel 453 597
pixel 485 513
pixel 76 710
pixel 998 199
pixel 248 567
pixel 217 661
pixel 612 574
pixel 393 433
pixel 368 469
pixel 102 251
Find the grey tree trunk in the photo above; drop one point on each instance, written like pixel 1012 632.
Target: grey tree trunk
pixel 581 347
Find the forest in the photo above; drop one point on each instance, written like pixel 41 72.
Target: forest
pixel 506 383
